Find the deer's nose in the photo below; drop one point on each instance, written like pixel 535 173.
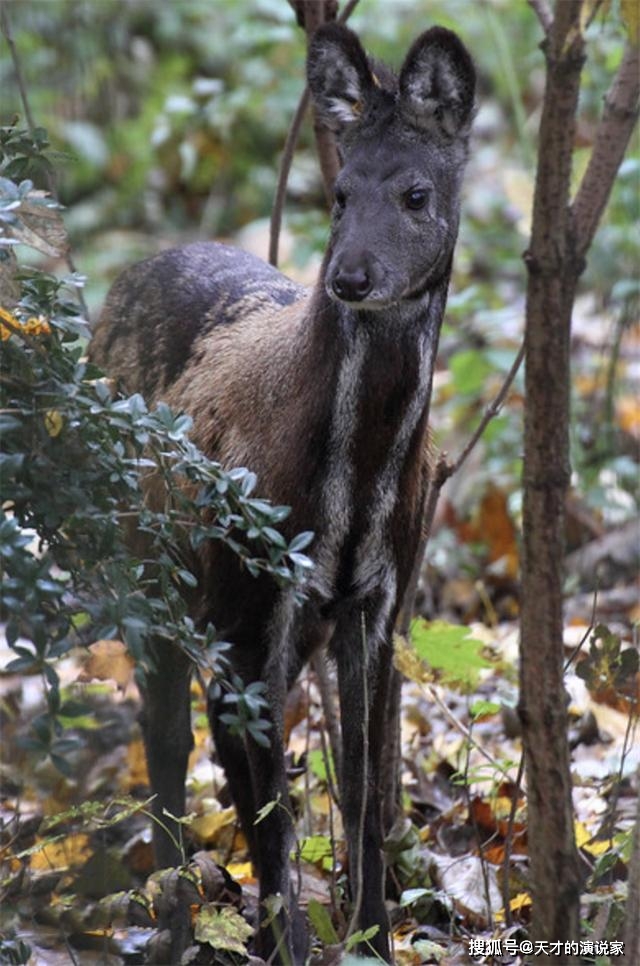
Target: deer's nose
pixel 352 285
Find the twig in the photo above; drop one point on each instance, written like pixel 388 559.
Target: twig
pixel 627 746
pixel 5 25
pixel 437 480
pixel 442 472
pixel 574 654
pixel 593 13
pixel 333 796
pixel 348 10
pixel 318 662
pixel 612 136
pixel 465 732
pixel 492 410
pixel 508 838
pixel 631 931
pixel 543 12
pixel 8 36
pixel 508 842
pixel 480 845
pixel 283 176
pixel 290 146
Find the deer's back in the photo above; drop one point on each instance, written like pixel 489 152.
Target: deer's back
pixel 160 310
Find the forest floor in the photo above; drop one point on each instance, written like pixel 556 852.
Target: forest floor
pixel 78 883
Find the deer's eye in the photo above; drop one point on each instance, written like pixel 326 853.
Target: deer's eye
pixel 416 198
pixel 340 198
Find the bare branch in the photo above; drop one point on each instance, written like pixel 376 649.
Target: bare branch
pixel 332 725
pixel 439 476
pixel 283 176
pixel 441 473
pixel 8 36
pixel 619 117
pixel 5 26
pixel 308 17
pixel 348 10
pixel 543 13
pixel 492 410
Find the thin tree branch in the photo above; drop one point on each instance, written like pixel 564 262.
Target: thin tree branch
pixel 439 476
pixel 332 726
pixel 492 410
pixel 505 871
pixel 631 931
pixel 5 26
pixel 301 11
pixel 618 120
pixel 8 36
pixel 283 176
pixel 348 10
pixel 441 473
pixel 543 12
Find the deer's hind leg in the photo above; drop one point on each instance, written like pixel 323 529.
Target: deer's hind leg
pixel 168 740
pixel 256 773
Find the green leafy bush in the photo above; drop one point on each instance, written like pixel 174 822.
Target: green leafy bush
pixel 74 462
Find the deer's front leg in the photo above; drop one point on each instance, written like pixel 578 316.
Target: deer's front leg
pixel 363 675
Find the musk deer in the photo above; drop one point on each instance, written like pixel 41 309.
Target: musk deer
pixel 325 395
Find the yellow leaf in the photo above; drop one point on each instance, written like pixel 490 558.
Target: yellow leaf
pixel 7 330
pixel 408 663
pixel 320 803
pixel 53 422
pixel 38 326
pixel 599 847
pixel 136 773
pixel 62 854
pixel 630 11
pixel 33 326
pixel 242 872
pixel 521 901
pixel 108 661
pixel 628 415
pixel 582 833
pixel 585 840
pixel 206 827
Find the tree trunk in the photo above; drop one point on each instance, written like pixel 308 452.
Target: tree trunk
pixel 553 275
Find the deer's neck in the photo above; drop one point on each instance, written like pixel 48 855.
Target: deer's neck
pixel 383 365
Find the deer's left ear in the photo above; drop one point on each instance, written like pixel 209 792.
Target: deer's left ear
pixel 437 84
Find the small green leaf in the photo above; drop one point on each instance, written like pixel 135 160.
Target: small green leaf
pixel 469 369
pixel 301 541
pixel 321 922
pixel 222 929
pixel 266 810
pixel 450 650
pixel 409 896
pixel 362 936
pixel 315 849
pixel 484 709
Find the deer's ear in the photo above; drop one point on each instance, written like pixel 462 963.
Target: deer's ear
pixel 437 83
pixel 339 76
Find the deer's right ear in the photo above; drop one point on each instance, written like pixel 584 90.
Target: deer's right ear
pixel 339 76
